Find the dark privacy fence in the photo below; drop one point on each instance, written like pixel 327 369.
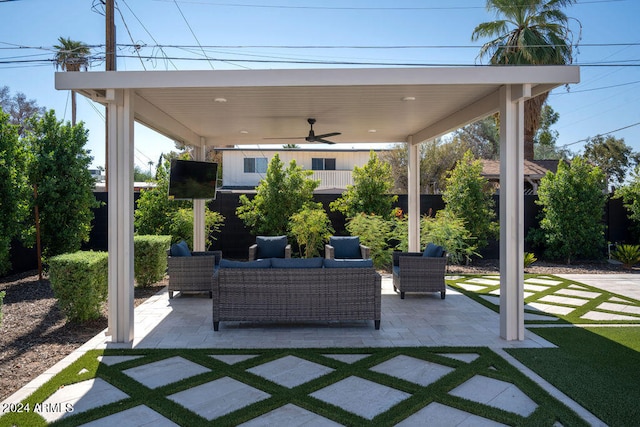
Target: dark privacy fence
pixel 234 239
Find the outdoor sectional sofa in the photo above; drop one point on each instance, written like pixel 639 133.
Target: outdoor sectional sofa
pixel 296 290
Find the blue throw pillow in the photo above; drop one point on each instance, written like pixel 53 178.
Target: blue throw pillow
pixel 261 263
pixel 271 246
pixel 346 247
pixel 296 262
pixel 180 249
pixel 433 251
pixel 348 263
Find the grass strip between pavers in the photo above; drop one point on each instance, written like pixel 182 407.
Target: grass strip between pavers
pixel 597 367
pixel 574 317
pixel 489 364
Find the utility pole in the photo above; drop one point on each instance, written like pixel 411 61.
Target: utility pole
pixel 110 65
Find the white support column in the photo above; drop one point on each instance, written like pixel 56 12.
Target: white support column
pixel 413 191
pixel 512 212
pixel 120 212
pixel 199 238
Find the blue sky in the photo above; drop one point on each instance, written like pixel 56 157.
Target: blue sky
pixel 233 33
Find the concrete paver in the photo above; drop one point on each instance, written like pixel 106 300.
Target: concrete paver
pixel 419 320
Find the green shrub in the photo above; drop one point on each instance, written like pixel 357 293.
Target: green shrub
pixel 375 232
pixel 529 258
pixel 446 230
pixel 79 281
pixel 2 294
pixel 150 258
pixel 311 228
pixel 628 255
pixel 181 225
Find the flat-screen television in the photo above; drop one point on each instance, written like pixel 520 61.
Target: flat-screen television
pixel 190 179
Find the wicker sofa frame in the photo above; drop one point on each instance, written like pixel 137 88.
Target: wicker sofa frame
pixel 296 295
pixel 192 273
pixel 413 272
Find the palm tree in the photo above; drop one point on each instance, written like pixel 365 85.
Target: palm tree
pixel 531 32
pixel 72 56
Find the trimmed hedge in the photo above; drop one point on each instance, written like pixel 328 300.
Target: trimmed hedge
pixel 150 258
pixel 80 281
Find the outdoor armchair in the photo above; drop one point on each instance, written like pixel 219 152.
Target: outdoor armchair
pixel 346 247
pixel 191 271
pixel 270 247
pixel 420 271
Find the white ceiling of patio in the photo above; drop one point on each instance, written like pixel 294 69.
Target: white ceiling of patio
pixel 365 105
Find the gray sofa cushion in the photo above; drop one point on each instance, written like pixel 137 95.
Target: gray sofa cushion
pixel 348 263
pixel 261 263
pixel 296 262
pixel 346 247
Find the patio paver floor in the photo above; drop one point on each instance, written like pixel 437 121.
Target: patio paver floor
pixel 419 320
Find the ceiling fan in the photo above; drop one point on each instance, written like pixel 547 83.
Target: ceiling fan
pixel 312 137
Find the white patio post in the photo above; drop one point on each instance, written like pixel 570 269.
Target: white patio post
pixel 512 210
pixel 199 153
pixel 120 104
pixel 413 194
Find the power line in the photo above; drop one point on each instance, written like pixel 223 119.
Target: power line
pixel 601 134
pixel 364 8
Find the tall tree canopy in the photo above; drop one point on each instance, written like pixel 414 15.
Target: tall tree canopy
pixel 12 188
pixel 533 32
pixel 59 168
pixel 612 155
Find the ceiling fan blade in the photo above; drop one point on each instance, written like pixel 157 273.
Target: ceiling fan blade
pixel 328 135
pixel 323 141
pixel 288 137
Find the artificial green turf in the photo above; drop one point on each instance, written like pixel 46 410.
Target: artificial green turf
pixel 488 364
pixel 597 367
pixel 574 317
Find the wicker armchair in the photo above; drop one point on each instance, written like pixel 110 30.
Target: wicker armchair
pixel 413 272
pixel 349 247
pixel 192 273
pixel 270 247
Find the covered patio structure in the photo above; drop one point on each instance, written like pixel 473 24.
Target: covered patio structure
pixel 220 108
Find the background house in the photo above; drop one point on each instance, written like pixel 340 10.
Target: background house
pixel 534 171
pixel 242 169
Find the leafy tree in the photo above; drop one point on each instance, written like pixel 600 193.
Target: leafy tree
pixel 572 203
pixel 482 138
pixel 468 196
pixel 545 140
pixel 630 195
pixel 156 214
pixel 59 170
pixel 534 32
pixel 141 175
pixel 12 188
pixel 282 193
pixel 19 108
pixel 72 56
pixel 369 193
pixel 437 158
pixel 311 228
pixel 612 155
